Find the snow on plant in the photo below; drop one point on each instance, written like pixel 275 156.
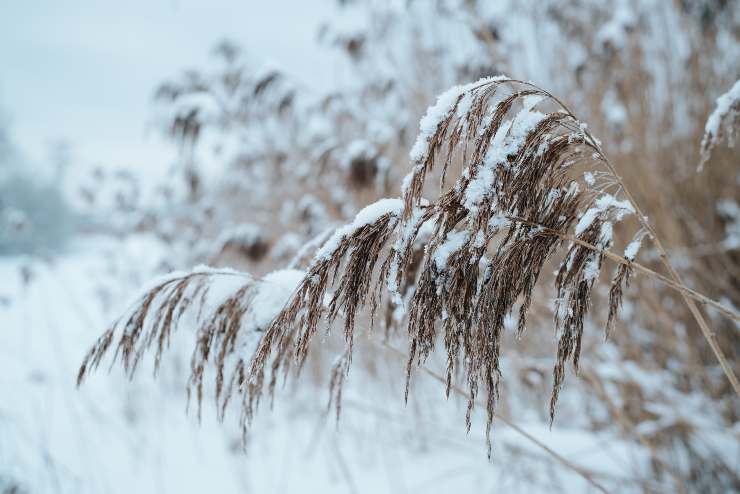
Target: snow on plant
pixel 723 123
pixel 516 205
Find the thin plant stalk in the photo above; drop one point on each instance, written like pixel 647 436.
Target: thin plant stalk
pixel 709 335
pixel 679 287
pixel 461 392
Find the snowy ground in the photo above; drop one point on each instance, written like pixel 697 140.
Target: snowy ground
pixel 115 436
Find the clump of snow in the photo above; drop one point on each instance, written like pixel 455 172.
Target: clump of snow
pixel 273 291
pixel 442 109
pixel 480 240
pixel 630 252
pixel 606 234
pixel 591 269
pixel 508 140
pixel 724 105
pixel 369 214
pixel 727 105
pixel 453 243
pixel 531 100
pixel 606 204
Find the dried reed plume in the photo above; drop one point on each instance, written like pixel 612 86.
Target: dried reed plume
pixel 518 204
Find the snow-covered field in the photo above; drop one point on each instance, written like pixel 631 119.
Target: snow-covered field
pixel 115 436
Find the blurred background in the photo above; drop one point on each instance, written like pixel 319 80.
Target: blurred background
pixel 141 137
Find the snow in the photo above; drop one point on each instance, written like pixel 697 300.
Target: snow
pixel 730 210
pixel 531 100
pixel 454 242
pixel 588 217
pixel 406 182
pixel 606 204
pixel 119 436
pixel 498 222
pixel 509 139
pixel 431 120
pixel 111 435
pixel 606 234
pixel 357 149
pixel 273 291
pixel 630 252
pixel 367 215
pixel 591 269
pixel 244 234
pixel 441 110
pixel 614 32
pixel 404 237
pixel 724 105
pixel 727 103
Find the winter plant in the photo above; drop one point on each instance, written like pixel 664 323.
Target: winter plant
pixel 523 187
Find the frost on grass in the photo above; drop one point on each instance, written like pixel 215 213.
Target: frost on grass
pixel 453 268
pixel 723 123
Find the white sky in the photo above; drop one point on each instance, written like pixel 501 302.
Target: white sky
pixel 84 71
